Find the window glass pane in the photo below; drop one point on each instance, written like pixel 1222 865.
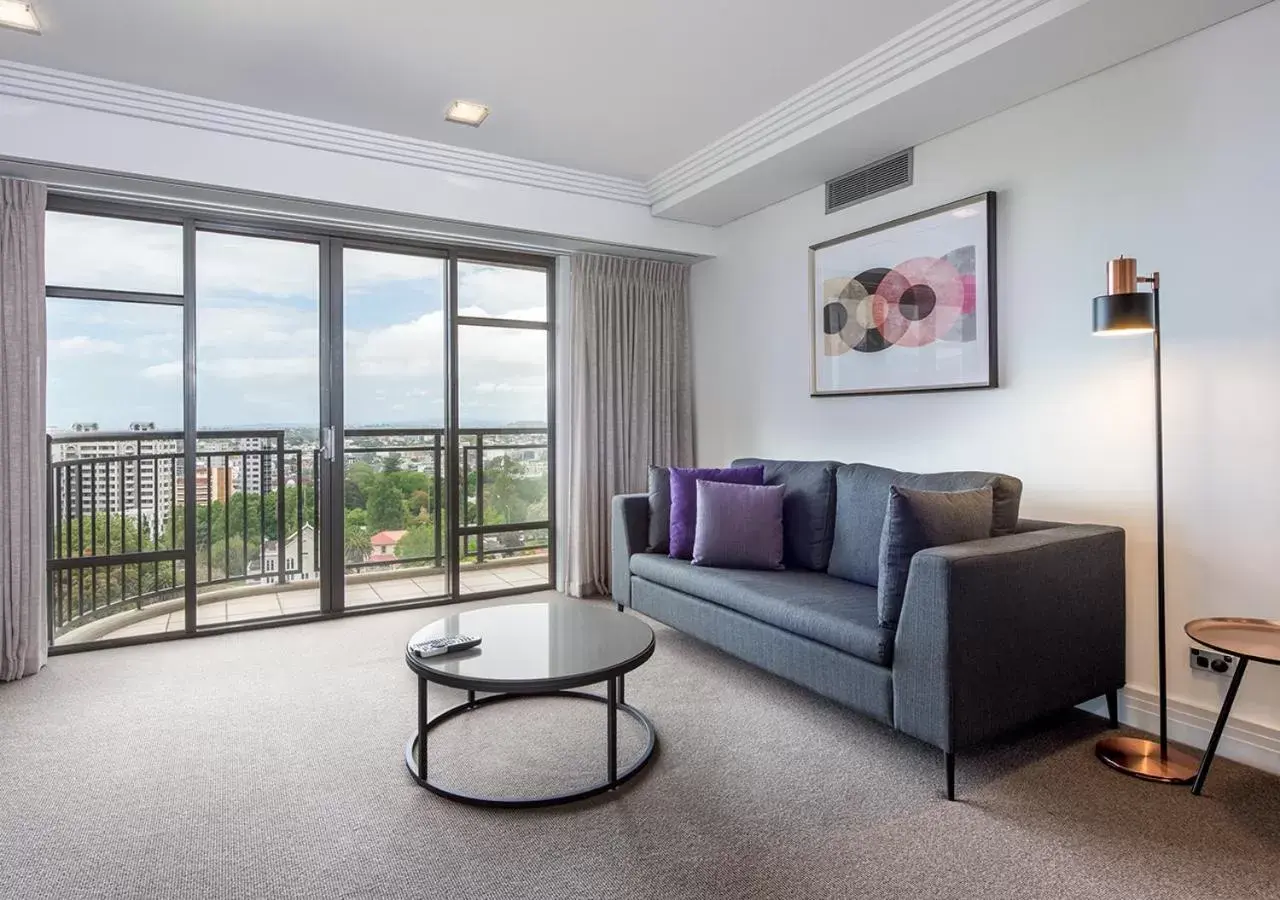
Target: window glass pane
pixel 504 456
pixel 114 365
pixel 393 333
pixel 112 254
pixel 502 376
pixel 257 332
pixel 502 292
pixel 115 418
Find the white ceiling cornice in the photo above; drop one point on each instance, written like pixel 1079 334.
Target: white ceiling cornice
pixel 971 60
pixel 959 24
pixel 85 92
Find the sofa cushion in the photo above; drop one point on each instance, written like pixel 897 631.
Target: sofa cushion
pixel 918 520
pixel 684 501
pixel 808 508
pixel 862 492
pixel 659 509
pixel 837 613
pixel 739 526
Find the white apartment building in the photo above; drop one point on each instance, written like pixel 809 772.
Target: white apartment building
pixel 135 478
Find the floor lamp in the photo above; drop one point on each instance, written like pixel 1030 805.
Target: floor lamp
pixel 1124 310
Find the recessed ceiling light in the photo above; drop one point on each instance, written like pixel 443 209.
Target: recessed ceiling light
pixel 20 15
pixel 464 112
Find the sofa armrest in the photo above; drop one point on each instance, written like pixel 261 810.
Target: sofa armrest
pixel 630 534
pixel 995 633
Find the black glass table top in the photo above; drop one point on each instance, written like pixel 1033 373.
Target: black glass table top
pixel 536 646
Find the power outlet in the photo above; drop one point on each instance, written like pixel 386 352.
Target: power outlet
pixel 1213 663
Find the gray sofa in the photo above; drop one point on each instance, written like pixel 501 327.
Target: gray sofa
pixel 992 635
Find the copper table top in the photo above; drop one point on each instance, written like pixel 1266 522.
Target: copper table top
pixel 1253 639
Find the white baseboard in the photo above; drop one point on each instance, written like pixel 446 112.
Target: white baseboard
pixel 1245 742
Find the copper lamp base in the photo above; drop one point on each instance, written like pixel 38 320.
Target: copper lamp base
pixel 1141 758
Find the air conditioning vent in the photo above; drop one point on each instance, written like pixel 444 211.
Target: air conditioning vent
pixel 888 174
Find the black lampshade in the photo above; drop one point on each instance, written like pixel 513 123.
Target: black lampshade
pixel 1124 313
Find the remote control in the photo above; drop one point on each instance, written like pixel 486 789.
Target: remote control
pixel 438 646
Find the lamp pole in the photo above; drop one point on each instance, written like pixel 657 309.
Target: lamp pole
pixel 1126 310
pixel 1154 281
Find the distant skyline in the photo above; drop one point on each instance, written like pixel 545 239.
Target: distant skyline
pixel 257 327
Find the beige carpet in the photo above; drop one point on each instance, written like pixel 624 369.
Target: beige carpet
pixel 270 764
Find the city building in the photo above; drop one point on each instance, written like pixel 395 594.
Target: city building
pixel 299 559
pixel 384 545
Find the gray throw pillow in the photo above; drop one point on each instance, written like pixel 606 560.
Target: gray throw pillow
pixel 862 491
pixel 808 508
pixel 739 526
pixel 659 509
pixel 918 520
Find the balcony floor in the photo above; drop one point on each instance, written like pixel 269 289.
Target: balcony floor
pixel 271 601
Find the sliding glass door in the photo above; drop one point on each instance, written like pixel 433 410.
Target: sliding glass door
pixel 252 422
pixel 257 427
pixel 394 391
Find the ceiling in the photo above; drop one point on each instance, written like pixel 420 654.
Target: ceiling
pixel 618 89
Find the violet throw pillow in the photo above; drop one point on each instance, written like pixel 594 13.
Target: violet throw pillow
pixel 739 526
pixel 684 501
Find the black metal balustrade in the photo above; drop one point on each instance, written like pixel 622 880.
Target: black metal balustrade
pixel 117 536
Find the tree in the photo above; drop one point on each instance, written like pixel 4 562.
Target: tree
pixel 100 534
pixel 508 495
pixel 356 546
pixel 419 543
pixel 392 463
pixel 386 506
pixel 420 504
pixel 353 494
pixel 361 473
pixel 408 481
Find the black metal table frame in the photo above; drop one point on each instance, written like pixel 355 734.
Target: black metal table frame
pixel 1211 750
pixel 415 751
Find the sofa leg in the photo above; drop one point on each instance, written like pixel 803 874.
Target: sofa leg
pixel 950 759
pixel 1113 708
pixel 620 609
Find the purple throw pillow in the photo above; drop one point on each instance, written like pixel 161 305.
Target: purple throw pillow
pixel 739 526
pixel 684 500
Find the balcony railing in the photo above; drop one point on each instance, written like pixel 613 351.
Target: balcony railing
pixel 117 537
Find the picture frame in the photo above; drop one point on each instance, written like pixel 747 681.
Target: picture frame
pixel 908 306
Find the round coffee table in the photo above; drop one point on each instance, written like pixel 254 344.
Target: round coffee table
pixel 1248 639
pixel 535 650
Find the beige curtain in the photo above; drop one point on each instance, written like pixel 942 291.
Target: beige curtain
pixel 631 395
pixel 23 626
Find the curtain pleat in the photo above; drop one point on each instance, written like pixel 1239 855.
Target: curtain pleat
pixel 23 625
pixel 632 403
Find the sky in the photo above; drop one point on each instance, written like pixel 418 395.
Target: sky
pixel 257 324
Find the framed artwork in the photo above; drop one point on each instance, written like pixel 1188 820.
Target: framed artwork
pixel 907 306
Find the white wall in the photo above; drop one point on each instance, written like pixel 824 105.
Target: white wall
pixel 1173 158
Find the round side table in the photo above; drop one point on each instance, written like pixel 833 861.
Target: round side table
pixel 1256 640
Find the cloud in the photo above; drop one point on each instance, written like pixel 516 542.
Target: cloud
pixel 503 292
pixel 100 252
pixel 364 269
pixel 165 371
pixel 262 369
pixel 95 252
pixel 529 387
pixel 258 323
pixel 81 345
